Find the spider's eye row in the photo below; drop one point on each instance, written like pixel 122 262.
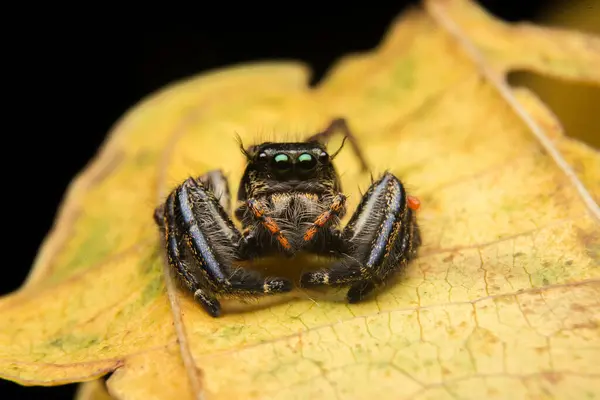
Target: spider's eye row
pixel 324 157
pixel 262 156
pixel 282 162
pixel 306 161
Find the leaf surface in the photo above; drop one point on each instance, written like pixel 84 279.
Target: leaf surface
pixel 502 301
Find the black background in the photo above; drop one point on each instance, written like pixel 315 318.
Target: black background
pixel 72 74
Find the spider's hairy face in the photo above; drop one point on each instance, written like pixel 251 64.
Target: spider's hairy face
pixel 288 167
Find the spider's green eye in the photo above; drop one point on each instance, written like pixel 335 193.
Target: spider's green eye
pixel 282 162
pixel 306 161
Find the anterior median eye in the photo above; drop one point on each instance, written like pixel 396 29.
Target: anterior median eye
pixel 282 162
pixel 306 161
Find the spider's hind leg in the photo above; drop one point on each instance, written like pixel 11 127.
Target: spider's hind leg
pixel 341 125
pixel 202 243
pixel 382 236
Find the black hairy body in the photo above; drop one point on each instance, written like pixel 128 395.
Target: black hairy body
pixel 290 201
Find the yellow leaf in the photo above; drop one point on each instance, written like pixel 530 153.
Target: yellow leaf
pixel 503 301
pixel 93 390
pixel 575 103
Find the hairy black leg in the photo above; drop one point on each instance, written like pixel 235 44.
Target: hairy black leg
pixel 211 248
pixel 244 282
pixel 175 251
pixel 341 125
pixel 208 302
pixel 192 195
pixel 359 291
pixel 216 182
pixel 382 236
pixel 202 242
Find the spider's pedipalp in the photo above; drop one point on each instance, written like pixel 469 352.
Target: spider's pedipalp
pixel 336 208
pixel 257 210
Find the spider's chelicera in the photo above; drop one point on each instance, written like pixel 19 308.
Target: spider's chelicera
pixel 289 201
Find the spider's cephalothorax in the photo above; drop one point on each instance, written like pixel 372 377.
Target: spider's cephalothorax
pixel 290 201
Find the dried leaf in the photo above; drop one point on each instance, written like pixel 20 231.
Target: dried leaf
pixel 503 300
pixel 92 390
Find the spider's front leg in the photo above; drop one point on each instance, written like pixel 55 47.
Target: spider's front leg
pixel 202 243
pixel 382 237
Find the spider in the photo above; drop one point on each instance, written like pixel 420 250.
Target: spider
pixel 289 201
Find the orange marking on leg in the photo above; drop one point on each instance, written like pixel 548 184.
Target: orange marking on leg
pixel 256 209
pixel 271 225
pixel 310 232
pixel 325 216
pixel 337 206
pixel 283 241
pixel 268 223
pixel 413 202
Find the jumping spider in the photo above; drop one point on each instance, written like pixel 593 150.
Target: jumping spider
pixel 290 201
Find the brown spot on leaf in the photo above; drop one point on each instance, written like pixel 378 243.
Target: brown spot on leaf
pixel 449 258
pixel 576 307
pixel 592 325
pixel 553 377
pixel 545 281
pixel 504 300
